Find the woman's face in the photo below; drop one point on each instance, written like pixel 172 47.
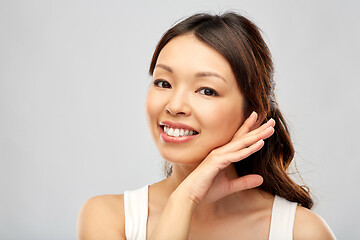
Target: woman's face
pixel 193 104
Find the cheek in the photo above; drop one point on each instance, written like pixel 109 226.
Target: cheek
pixel 152 106
pixel 222 123
pixel 152 111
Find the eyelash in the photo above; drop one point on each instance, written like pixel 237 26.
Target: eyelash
pixel 159 83
pixel 213 92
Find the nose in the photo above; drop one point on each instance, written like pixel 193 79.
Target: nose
pixel 178 104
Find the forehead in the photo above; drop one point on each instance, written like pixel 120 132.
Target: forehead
pixel 189 54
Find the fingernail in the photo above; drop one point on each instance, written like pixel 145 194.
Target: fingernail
pixel 252 114
pixel 271 119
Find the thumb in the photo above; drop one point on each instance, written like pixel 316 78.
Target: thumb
pixel 245 182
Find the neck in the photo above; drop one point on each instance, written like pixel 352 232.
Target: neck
pixel 180 172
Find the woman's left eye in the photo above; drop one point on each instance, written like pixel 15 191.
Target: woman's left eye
pixel 208 92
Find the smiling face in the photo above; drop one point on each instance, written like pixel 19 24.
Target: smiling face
pixel 193 104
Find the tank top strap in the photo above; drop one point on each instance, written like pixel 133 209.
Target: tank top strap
pixel 136 213
pixel 282 219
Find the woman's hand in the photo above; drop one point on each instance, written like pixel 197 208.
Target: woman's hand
pixel 209 182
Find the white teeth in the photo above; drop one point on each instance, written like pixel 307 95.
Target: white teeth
pixel 178 132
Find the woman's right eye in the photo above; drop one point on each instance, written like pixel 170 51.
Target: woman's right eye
pixel 162 83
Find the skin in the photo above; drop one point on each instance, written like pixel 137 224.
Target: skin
pixel 216 118
pixel 203 198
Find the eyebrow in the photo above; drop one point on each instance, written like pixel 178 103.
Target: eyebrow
pixel 210 74
pixel 199 74
pixel 167 68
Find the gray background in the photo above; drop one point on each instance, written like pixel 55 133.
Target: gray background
pixel 73 80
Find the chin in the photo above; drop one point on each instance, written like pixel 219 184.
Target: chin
pixel 183 157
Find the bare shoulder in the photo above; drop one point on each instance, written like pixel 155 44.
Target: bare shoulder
pixel 102 217
pixel 309 225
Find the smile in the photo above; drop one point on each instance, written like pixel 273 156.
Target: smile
pixel 176 132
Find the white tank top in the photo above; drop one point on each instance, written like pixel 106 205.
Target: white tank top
pixel 136 214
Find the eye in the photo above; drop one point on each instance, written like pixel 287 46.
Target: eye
pixel 162 83
pixel 208 92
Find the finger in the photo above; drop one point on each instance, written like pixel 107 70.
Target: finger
pixel 223 161
pixel 246 141
pixel 248 128
pixel 244 153
pixel 245 182
pixel 270 123
pixel 247 125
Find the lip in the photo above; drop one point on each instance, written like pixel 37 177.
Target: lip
pixel 176 125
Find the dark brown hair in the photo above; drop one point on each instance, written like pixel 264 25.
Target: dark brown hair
pixel 240 42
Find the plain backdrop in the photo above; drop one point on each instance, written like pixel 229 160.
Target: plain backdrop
pixel 73 81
